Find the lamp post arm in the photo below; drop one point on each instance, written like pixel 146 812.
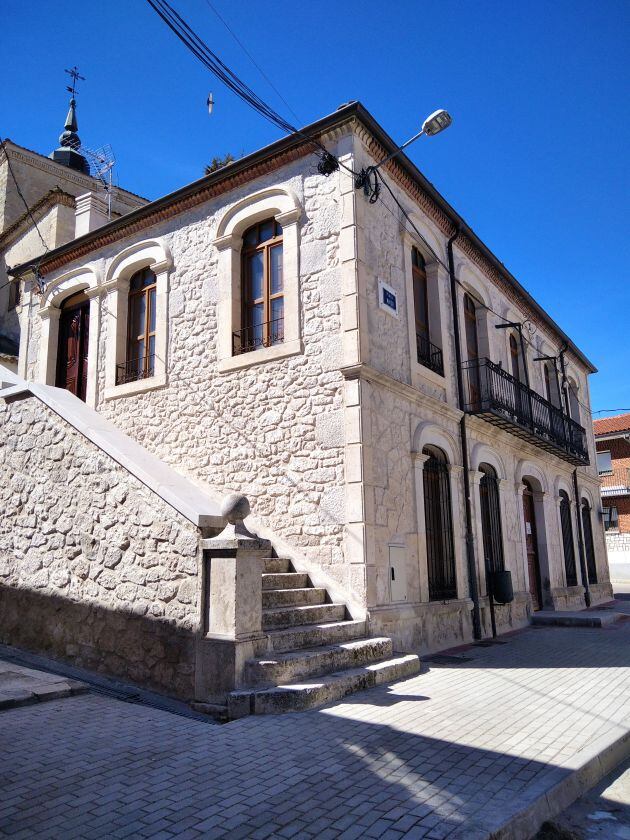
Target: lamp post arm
pixel 398 151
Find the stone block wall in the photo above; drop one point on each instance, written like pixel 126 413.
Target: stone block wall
pixel 274 430
pixel 94 567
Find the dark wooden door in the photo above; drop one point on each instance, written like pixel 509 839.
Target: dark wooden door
pixel 72 356
pixel 531 540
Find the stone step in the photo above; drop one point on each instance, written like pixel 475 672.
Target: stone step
pixel 299 696
pixel 272 598
pixel 314 635
pixel 285 580
pixel 277 668
pixel 272 565
pixel 583 618
pixel 290 616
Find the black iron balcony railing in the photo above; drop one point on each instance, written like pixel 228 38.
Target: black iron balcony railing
pixel 260 335
pixel 429 355
pixel 501 399
pixel 135 369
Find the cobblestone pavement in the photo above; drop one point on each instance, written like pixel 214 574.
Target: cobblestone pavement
pixel 453 752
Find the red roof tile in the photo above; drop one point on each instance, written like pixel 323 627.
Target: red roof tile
pixel 607 425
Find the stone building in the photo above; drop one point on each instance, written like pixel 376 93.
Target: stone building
pixel 612 439
pixel 59 200
pixel 370 378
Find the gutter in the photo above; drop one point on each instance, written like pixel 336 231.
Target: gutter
pixel 470 539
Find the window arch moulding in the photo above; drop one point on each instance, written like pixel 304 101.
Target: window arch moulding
pixel 153 254
pixel 85 279
pixel 273 203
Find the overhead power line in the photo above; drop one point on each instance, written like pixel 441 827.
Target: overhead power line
pixel 251 58
pixel 328 162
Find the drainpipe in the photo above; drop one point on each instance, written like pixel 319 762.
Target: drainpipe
pixel 576 489
pixel 470 543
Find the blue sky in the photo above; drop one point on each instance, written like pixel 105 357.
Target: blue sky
pixel 536 159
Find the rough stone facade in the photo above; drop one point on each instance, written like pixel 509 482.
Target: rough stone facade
pixel 94 567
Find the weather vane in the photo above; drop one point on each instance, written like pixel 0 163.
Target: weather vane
pixel 75 77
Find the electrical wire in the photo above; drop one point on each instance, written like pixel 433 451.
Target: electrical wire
pixel 21 194
pixel 328 162
pixel 251 58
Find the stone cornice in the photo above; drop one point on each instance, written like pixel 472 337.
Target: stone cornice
pixel 370 374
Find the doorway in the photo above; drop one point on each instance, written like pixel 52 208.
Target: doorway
pixel 531 542
pixel 72 353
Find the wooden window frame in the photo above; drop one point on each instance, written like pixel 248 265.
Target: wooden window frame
pixel 419 279
pixel 148 364
pixel 270 335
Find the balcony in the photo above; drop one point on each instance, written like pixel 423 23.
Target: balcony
pixel 495 395
pixel 134 370
pixel 429 355
pixel 616 482
pixel 260 335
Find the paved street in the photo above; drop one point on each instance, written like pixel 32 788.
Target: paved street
pixel 455 752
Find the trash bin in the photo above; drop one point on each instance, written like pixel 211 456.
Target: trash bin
pixel 502 590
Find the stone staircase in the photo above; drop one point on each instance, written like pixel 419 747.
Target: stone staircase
pixel 315 654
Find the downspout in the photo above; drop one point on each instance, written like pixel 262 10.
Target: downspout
pixel 576 489
pixel 470 542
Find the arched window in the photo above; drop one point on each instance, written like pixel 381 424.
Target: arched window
pixel 589 548
pixel 140 362
pixel 263 288
pixel 420 293
pixel 574 404
pixel 567 539
pixel 438 526
pixel 472 350
pixel 491 519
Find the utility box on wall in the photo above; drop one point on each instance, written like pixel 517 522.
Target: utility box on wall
pixel 397 573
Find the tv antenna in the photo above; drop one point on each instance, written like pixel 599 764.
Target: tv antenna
pixel 101 163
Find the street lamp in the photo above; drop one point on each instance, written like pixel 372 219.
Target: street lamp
pixel 434 124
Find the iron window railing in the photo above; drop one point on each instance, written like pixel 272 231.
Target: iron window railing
pixel 429 355
pixel 260 335
pixel 135 369
pixel 501 399
pixel 439 531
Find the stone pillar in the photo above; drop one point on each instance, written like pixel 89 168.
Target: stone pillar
pixel 231 604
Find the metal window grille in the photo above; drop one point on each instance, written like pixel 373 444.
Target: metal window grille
pixel 439 530
pixel 567 539
pixel 260 335
pixel 135 369
pixel 429 355
pixel 589 548
pixel 491 522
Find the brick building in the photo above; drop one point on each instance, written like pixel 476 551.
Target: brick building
pixel 612 439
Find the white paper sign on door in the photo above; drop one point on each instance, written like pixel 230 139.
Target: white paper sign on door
pixel 528 528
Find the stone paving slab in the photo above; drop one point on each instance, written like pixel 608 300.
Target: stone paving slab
pixel 20 686
pixel 489 747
